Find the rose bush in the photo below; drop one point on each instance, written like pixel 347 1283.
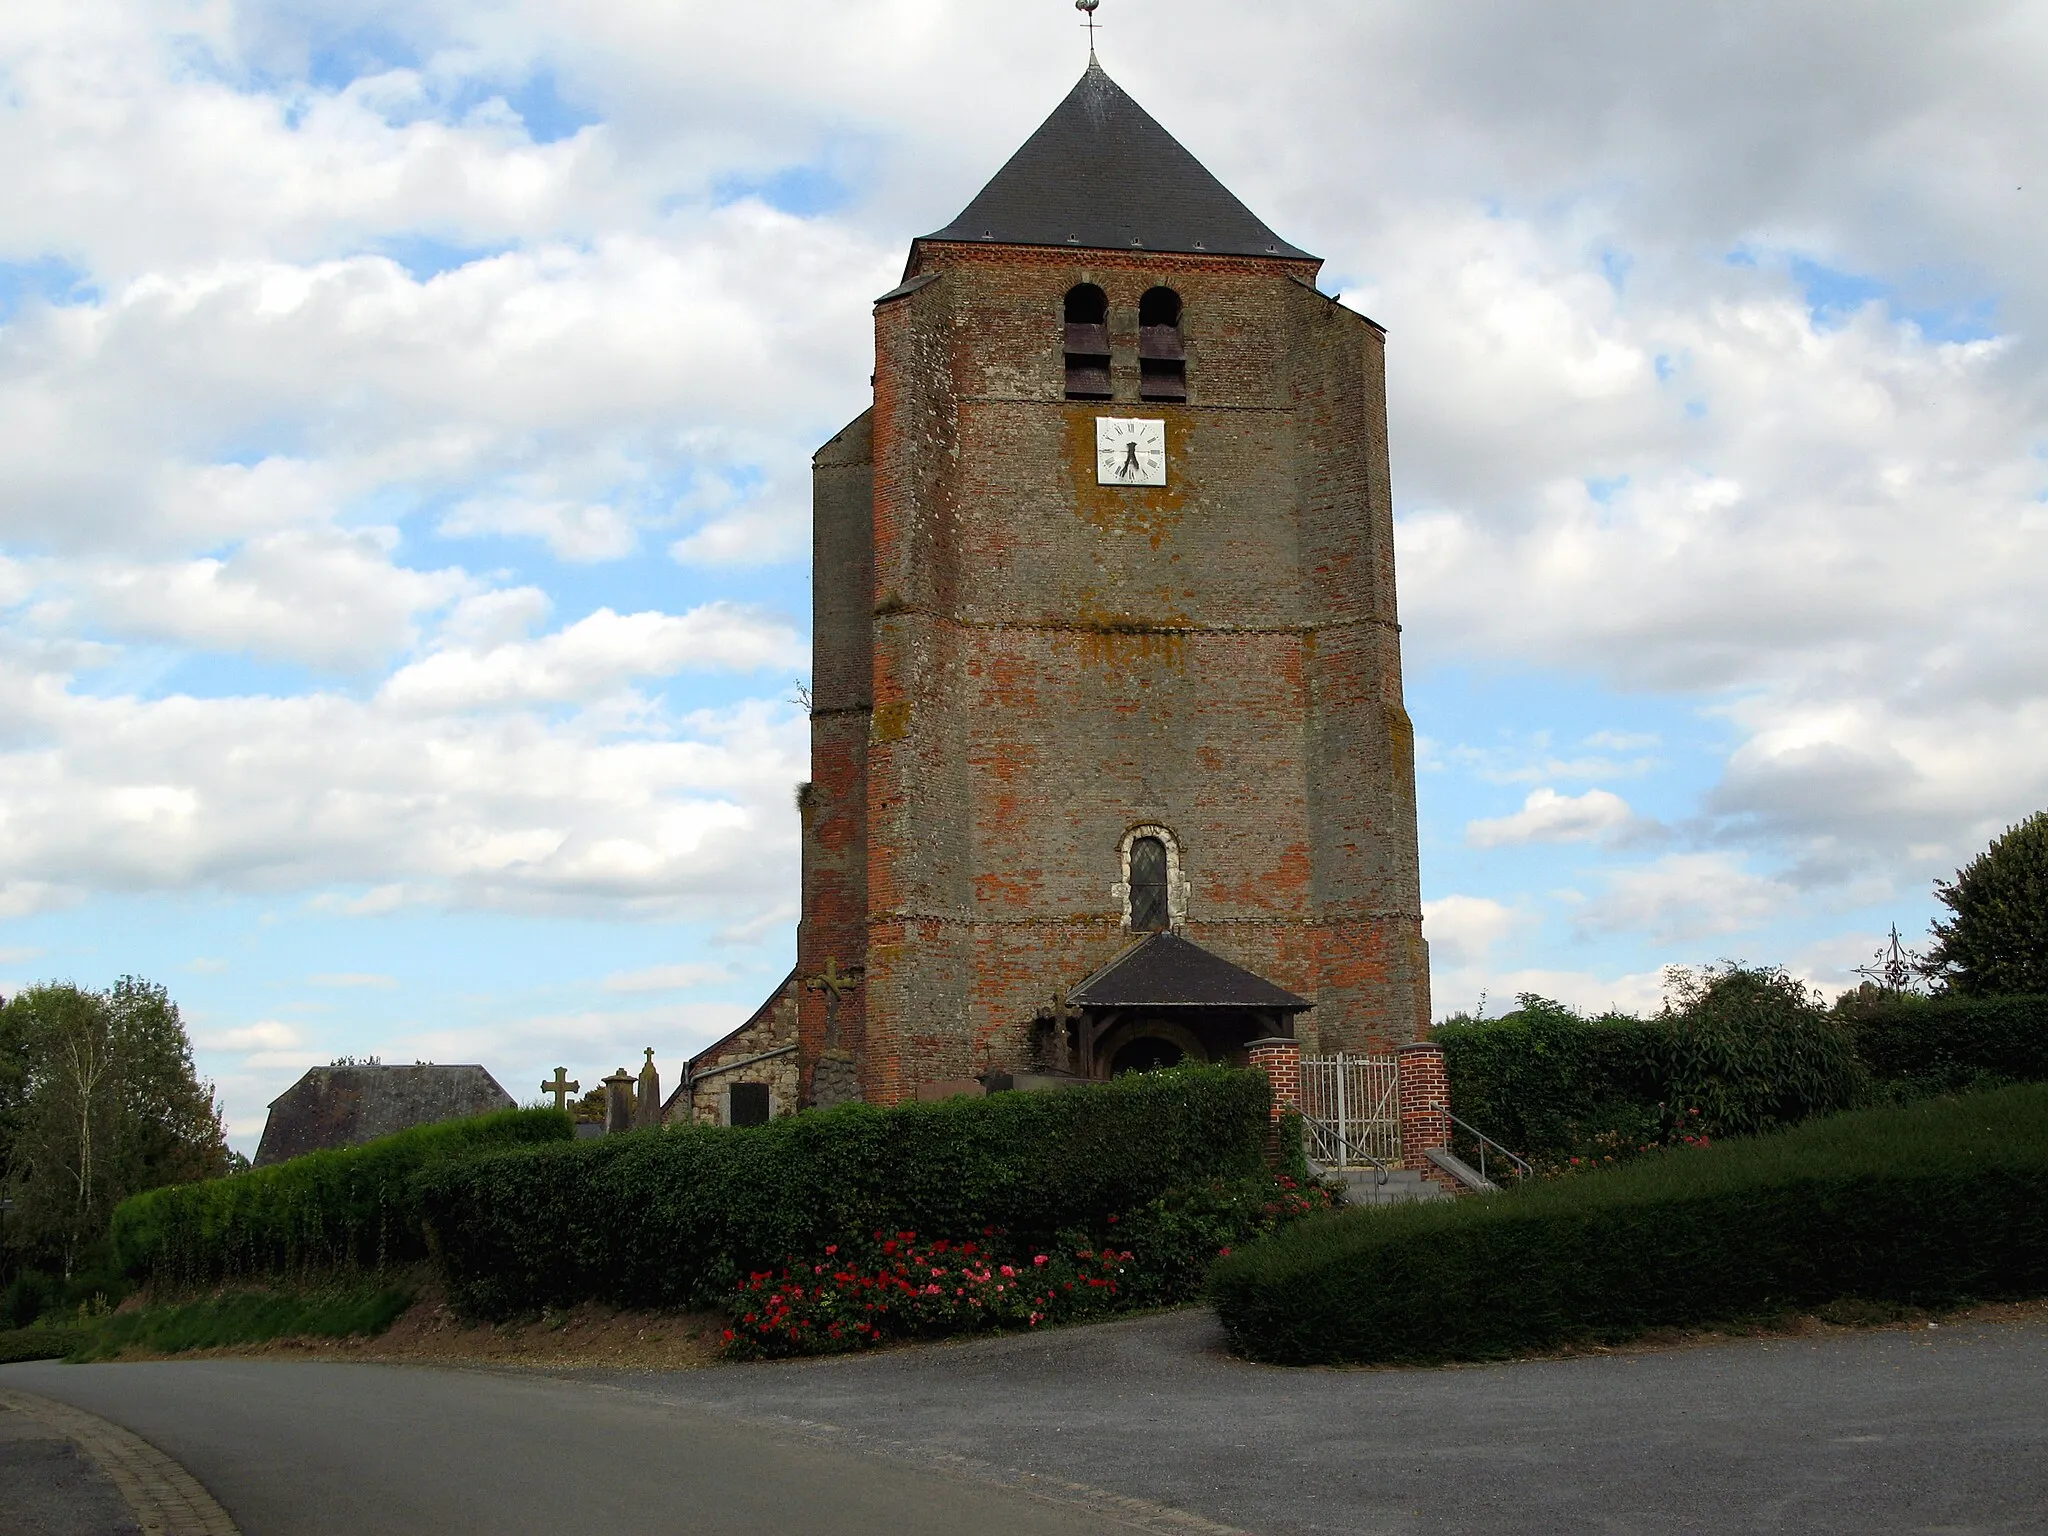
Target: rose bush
pixel 901 1285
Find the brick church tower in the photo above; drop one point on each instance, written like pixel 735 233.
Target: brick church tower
pixel 1109 760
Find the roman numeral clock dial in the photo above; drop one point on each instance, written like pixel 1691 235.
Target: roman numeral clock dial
pixel 1129 451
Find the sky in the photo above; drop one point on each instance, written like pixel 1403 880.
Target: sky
pixel 405 415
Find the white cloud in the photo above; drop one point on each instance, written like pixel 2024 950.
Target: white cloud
pixel 666 978
pixel 350 979
pixel 1462 930
pixel 1683 897
pixel 581 532
pixel 594 656
pixel 265 1035
pixel 330 794
pixel 1598 815
pixel 321 596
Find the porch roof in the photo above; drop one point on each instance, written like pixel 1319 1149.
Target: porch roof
pixel 1164 970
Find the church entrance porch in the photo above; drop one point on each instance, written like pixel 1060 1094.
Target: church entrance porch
pixel 1164 1002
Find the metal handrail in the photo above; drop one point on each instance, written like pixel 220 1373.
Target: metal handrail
pixel 1346 1150
pixel 1522 1168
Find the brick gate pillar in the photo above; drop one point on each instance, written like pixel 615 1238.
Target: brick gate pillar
pixel 1425 1110
pixel 1280 1060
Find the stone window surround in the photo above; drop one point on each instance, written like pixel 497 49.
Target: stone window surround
pixel 1178 888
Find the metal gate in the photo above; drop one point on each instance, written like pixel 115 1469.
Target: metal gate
pixel 1351 1109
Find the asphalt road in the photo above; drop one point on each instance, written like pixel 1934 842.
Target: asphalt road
pixel 308 1449
pixel 1118 1426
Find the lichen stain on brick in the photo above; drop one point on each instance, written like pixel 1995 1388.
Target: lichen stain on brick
pixel 1151 511
pixel 892 721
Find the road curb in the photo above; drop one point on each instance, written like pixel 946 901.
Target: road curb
pixel 167 1500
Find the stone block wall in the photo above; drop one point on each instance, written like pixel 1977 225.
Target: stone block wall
pixel 762 1050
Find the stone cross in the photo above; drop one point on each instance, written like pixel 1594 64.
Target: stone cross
pixel 1062 1013
pixel 618 1102
pixel 647 1105
pixel 835 984
pixel 561 1087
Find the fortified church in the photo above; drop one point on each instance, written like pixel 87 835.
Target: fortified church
pixel 1109 762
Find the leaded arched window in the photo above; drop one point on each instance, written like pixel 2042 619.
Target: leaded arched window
pixel 1150 910
pixel 1154 890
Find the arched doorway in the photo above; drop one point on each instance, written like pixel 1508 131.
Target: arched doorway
pixel 1147 1053
pixel 1145 1045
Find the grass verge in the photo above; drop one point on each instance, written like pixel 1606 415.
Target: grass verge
pixel 1936 1205
pixel 244 1317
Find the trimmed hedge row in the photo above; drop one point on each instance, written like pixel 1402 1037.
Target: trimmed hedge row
pixel 42 1343
pixel 683 1216
pixel 325 1212
pixel 1548 1082
pixel 1932 1204
pixel 1923 1046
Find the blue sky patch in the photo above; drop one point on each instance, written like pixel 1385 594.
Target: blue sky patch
pixel 426 257
pixel 803 190
pixel 48 279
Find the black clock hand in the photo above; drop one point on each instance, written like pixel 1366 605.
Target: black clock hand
pixel 1130 464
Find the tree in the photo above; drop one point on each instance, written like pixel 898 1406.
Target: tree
pixel 1996 942
pixel 99 1101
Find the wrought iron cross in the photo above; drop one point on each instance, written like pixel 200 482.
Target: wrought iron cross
pixel 835 984
pixel 1087 9
pixel 561 1088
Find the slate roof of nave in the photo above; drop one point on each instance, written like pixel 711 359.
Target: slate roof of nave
pixel 1101 173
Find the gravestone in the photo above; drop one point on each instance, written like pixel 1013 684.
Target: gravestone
pixel 647 1102
pixel 618 1102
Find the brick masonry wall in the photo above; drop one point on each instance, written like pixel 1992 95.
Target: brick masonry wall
pixel 1425 1111
pixel 835 815
pixel 1051 662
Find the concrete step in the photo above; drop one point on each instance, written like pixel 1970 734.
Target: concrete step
pixel 1362 1186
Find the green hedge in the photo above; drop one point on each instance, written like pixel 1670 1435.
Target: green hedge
pixel 1935 1203
pixel 680 1217
pixel 1924 1046
pixel 323 1213
pixel 1746 1055
pixel 42 1343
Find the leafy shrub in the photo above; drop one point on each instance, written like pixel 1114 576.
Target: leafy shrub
pixel 1919 1046
pixel 891 1286
pixel 324 1213
pixel 42 1342
pixel 682 1216
pixel 1736 1050
pixel 1932 1204
pixel 1996 941
pixel 33 1294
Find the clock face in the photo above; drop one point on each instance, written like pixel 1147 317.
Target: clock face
pixel 1129 451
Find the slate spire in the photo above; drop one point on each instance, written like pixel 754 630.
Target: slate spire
pixel 1101 173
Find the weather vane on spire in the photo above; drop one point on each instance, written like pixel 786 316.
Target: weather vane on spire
pixel 1087 8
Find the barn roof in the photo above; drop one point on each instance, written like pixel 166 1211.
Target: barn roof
pixel 1101 173
pixel 345 1106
